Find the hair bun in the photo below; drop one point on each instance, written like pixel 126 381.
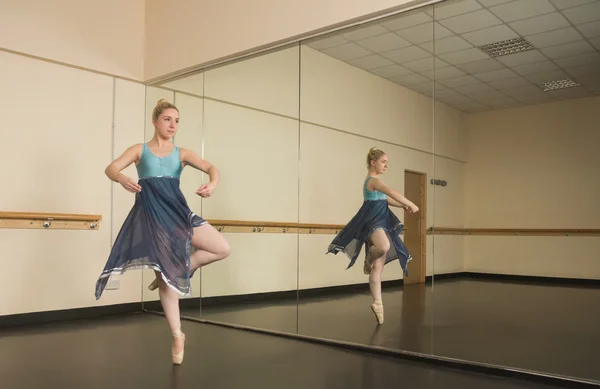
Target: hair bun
pixel 160 101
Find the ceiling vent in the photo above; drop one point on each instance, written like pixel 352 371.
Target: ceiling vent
pixel 558 84
pixel 507 47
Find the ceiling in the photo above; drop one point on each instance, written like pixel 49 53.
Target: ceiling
pixel 564 38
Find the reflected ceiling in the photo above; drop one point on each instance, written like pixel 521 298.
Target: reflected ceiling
pixel 489 54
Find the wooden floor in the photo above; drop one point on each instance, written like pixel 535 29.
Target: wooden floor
pixel 545 328
pixel 134 352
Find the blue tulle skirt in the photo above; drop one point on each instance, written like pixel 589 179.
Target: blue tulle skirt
pixel 373 215
pixel 155 235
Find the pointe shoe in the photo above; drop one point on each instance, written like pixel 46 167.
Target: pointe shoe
pixel 178 358
pixel 377 308
pixel 154 284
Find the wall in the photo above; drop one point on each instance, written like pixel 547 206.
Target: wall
pixel 106 36
pixel 534 167
pixel 253 135
pixel 208 31
pixel 58 128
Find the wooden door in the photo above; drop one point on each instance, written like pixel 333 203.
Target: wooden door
pixel 415 226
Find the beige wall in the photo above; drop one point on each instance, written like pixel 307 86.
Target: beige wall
pixel 186 33
pixel 534 167
pixel 106 36
pixel 58 123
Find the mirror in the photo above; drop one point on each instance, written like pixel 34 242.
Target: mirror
pixel 516 91
pixel 249 132
pixel 364 87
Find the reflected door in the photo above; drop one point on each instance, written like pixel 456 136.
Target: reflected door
pixel 414 227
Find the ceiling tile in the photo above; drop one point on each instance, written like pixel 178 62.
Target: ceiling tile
pixel 570 93
pixel 583 14
pixel 472 107
pixel 496 75
pixel 491 3
pixel 531 90
pixel 490 35
pixel 448 9
pixel 443 73
pixel 534 99
pixel 539 78
pixel 568 50
pixel 426 87
pixel 471 21
pixel 458 99
pixel 426 64
pixel 440 31
pixel 446 45
pixel 407 19
pixel 579 60
pixel 596 42
pixel 464 56
pixel 537 67
pixel 370 62
pixel 484 65
pixel 391 71
pixel 487 95
pixel 594 88
pixel 326 43
pixel 424 33
pixel 540 24
pixel 347 51
pixel 509 83
pixel 518 10
pixel 563 4
pixel 407 54
pixel 584 73
pixel 590 30
pixel 475 88
pixel 553 38
pixel 447 94
pixel 522 58
pixel 410 79
pixel 418 34
pixel 459 81
pixel 505 102
pixel 365 32
pixel 385 42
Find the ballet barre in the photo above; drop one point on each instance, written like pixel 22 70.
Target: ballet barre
pixel 49 221
pixel 514 231
pixel 241 226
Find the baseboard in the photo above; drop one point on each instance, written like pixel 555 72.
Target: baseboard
pixel 35 318
pixel 534 280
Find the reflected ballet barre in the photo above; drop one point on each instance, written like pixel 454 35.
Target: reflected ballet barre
pixel 242 226
pixel 55 221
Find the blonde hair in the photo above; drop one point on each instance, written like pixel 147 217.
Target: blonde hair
pixel 161 105
pixel 374 155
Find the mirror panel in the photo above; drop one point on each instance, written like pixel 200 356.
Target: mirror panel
pixel 363 87
pixel 250 133
pixel 516 92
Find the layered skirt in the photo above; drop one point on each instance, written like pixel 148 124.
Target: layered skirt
pixel 372 216
pixel 155 235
